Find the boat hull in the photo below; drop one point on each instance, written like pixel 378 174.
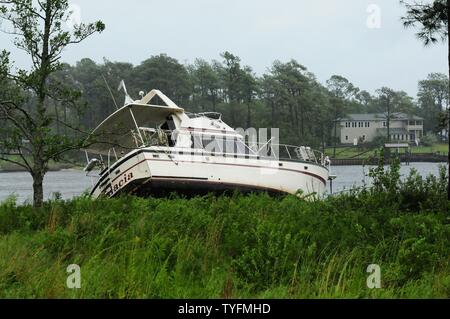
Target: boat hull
pixel 152 172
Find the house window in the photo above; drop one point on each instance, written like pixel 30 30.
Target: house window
pixel 364 137
pixel 384 124
pixel 346 137
pixel 353 124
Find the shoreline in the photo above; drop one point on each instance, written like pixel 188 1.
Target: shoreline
pixel 368 162
pixel 404 159
pixel 51 170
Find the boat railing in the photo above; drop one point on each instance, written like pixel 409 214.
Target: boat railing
pixel 269 150
pixel 210 115
pixel 289 152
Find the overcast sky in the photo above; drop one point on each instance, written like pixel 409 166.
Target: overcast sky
pixel 329 37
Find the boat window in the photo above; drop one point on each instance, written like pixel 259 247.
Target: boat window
pixel 212 144
pixel 230 147
pixel 219 144
pixel 169 124
pixel 197 141
pixel 184 141
pixel 241 148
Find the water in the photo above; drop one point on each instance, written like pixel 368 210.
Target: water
pixel 354 176
pixel 70 183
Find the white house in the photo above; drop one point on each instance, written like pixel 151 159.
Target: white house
pixel 366 127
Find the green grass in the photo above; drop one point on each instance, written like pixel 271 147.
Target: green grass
pixel 236 246
pixel 351 152
pixel 437 148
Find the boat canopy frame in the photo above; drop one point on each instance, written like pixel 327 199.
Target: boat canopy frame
pixel 117 130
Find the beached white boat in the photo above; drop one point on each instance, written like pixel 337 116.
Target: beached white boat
pixel 153 149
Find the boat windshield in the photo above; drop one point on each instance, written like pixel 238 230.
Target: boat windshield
pixel 212 143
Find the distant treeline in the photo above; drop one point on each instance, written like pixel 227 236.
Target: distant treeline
pixel 288 96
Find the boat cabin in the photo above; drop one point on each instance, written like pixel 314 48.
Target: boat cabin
pixel 142 124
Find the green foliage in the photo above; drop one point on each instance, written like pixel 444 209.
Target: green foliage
pixel 288 96
pixel 429 140
pixel 432 19
pixel 27 125
pixel 234 246
pixel 379 141
pixel 386 180
pixel 411 194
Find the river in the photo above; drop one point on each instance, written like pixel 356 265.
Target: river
pixel 70 183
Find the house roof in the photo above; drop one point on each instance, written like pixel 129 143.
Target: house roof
pixel 380 117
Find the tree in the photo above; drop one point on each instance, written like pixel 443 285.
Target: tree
pixel 37 27
pixel 231 73
pixel 433 21
pixel 386 97
pixel 293 85
pixel 269 93
pixel 163 73
pixel 249 90
pixel 206 84
pixel 433 99
pixel 404 103
pixel 341 90
pixel 365 99
pixel 323 114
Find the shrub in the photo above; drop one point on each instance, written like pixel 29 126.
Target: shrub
pixel 234 246
pixel 429 140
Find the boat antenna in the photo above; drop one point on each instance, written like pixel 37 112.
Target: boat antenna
pixel 110 92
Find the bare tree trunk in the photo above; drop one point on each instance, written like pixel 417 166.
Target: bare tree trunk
pixel 335 131
pixel 323 138
pixel 57 117
pixel 448 111
pixel 291 112
pixel 335 138
pixel 388 120
pixel 38 190
pixel 233 120
pixel 273 113
pixel 297 125
pixel 65 121
pixel 249 116
pixel 302 121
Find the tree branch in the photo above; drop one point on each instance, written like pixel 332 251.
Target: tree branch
pixel 15 162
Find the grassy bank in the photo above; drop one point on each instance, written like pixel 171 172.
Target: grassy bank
pixel 357 152
pixel 235 246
